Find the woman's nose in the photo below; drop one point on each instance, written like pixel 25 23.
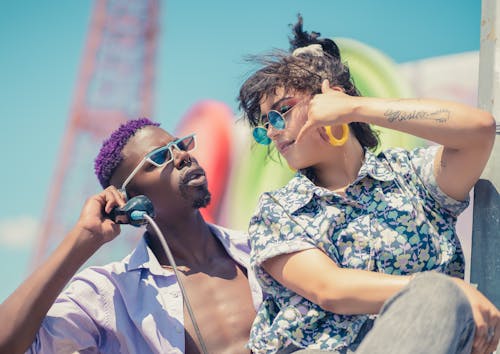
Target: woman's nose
pixel 272 131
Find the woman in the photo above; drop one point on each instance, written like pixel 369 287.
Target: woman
pixel 356 236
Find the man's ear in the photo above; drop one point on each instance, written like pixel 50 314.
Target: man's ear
pixel 131 192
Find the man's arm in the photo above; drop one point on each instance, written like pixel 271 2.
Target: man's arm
pixel 27 306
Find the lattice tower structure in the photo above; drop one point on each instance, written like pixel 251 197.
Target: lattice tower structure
pixel 115 84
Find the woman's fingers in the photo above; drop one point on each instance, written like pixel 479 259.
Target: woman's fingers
pixel 493 334
pixel 306 128
pixel 486 317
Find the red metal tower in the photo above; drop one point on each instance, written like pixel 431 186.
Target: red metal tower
pixel 115 84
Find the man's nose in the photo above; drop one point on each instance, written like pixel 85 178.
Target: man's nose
pixel 181 158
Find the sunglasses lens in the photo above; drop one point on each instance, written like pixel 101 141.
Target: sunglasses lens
pixel 161 156
pixel 276 120
pixel 186 144
pixel 260 136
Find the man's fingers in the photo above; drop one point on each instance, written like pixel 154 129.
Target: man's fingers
pixel 113 198
pixel 118 196
pixel 111 226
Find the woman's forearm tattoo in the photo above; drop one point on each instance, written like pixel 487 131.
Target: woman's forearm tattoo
pixel 439 116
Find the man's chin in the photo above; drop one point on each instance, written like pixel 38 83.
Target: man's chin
pixel 200 195
pixel 202 202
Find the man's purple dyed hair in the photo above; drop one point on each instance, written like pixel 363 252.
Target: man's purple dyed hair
pixel 110 155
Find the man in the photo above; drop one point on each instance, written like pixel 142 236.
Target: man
pixel 135 305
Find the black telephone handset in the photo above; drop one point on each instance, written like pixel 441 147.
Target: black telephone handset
pixel 133 211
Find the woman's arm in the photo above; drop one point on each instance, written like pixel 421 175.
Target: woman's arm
pixel 466 133
pixel 24 310
pixel 314 276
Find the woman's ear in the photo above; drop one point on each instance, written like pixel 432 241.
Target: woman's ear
pixel 338 88
pixel 323 135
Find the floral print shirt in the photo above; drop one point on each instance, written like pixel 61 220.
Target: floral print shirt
pixel 393 219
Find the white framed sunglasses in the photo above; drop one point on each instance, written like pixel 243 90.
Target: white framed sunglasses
pixel 163 155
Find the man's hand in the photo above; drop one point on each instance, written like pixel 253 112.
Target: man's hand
pixel 93 217
pixel 29 303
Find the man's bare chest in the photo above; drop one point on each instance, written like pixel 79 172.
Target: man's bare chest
pixel 221 301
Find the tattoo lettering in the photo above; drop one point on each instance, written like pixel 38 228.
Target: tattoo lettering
pixel 439 116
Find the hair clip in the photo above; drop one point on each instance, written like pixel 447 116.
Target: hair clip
pixel 316 50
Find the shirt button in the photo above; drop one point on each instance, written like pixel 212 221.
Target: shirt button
pixel 178 329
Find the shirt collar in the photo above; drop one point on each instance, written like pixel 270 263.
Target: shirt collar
pixel 376 167
pixel 297 193
pixel 143 258
pixel 303 190
pixel 235 243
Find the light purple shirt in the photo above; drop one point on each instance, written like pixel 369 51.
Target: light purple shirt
pixel 131 306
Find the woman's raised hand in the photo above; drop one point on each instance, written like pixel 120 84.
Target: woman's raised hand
pixel 330 107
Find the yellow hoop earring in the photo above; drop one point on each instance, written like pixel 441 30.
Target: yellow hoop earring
pixel 334 141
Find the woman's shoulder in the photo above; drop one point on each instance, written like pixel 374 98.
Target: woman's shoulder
pixel 407 159
pixel 396 153
pixel 297 187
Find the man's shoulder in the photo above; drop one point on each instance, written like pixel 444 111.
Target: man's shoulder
pixel 235 242
pixel 102 273
pixel 106 273
pixel 232 234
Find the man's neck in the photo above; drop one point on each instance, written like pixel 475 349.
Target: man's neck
pixel 190 240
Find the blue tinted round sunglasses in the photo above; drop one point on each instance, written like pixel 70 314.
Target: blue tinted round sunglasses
pixel 163 155
pixel 276 120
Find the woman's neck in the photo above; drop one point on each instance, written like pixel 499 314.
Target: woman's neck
pixel 342 168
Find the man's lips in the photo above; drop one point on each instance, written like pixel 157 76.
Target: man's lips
pixel 192 174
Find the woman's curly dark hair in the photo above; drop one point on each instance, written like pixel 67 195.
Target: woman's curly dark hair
pixel 303 73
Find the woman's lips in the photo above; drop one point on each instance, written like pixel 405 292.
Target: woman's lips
pixel 283 146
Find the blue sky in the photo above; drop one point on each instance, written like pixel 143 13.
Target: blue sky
pixel 200 56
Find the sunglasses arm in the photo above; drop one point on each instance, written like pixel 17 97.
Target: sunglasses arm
pixel 133 173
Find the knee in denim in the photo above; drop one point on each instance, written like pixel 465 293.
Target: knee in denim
pixel 442 294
